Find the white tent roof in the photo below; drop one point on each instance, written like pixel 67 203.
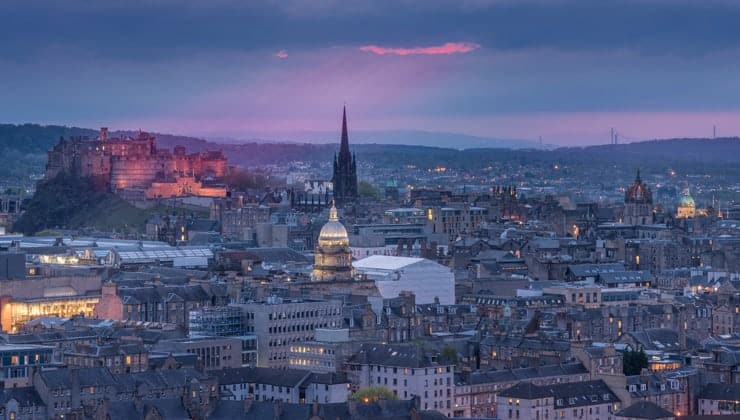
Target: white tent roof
pixel 385 262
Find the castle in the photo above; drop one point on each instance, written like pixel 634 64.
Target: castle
pixel 125 163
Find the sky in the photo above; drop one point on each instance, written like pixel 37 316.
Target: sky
pixel 567 71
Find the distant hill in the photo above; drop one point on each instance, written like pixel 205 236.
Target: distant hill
pixel 24 147
pixel 389 137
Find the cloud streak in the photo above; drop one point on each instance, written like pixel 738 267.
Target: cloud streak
pixel 447 48
pixel 282 54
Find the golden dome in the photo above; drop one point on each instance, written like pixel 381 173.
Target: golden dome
pixel 333 232
pixel 686 200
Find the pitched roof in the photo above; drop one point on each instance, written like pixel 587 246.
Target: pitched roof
pixel 726 392
pixel 645 410
pixel 566 395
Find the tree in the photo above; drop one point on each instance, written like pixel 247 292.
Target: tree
pixel 373 393
pixel 366 189
pixel 633 361
pixel 449 353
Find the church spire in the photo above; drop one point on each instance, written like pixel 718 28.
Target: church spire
pixel 344 147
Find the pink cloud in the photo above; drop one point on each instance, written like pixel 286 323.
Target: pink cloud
pixel 444 49
pixel 282 54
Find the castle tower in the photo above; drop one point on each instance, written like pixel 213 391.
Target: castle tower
pixel 638 203
pixel 333 257
pixel 345 169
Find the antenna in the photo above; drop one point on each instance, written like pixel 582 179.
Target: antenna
pixel 611 136
pixel 714 131
pixel 541 141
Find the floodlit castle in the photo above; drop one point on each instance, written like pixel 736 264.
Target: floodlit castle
pixel 122 163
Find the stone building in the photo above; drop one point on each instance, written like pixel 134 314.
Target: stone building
pixel 344 177
pixel 333 259
pixel 407 371
pixel 638 203
pixel 282 323
pixel 589 400
pixel 130 161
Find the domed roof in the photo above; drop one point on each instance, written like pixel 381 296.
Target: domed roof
pixel 686 200
pixel 333 230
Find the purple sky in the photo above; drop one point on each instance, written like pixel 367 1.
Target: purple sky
pixel 563 70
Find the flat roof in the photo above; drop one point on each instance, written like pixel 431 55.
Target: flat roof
pixel 386 262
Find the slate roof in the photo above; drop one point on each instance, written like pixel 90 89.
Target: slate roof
pixel 520 374
pixel 725 392
pixel 122 410
pixel 592 270
pixel 380 410
pixel 663 339
pixel 645 410
pixel 400 355
pixel 269 376
pixel 527 343
pixel 567 395
pixel 169 408
pixel 63 378
pixel 625 277
pixel 26 396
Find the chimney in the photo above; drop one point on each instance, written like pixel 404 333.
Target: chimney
pixel 103 134
pixel 248 405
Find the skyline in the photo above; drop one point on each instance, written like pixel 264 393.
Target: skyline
pixel 650 69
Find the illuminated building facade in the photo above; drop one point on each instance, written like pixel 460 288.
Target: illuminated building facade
pixel 686 206
pixel 333 257
pixel 638 203
pixel 15 313
pixel 47 291
pixel 281 324
pixel 130 162
pixel 326 354
pixel 19 362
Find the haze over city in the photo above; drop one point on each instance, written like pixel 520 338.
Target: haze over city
pixel 566 71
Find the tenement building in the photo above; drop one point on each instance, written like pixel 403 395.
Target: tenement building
pixel 589 400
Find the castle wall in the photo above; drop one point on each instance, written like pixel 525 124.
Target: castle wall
pixel 123 163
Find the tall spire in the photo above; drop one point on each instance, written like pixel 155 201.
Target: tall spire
pixel 344 147
pixel 638 179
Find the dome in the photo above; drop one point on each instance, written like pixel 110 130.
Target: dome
pixel 333 230
pixel 686 200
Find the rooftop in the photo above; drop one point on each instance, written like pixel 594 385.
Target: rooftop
pixel 386 262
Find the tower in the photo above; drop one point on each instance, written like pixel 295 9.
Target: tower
pixel 638 203
pixel 344 177
pixel 333 257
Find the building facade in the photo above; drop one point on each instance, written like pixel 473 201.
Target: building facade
pixel 638 203
pixel 333 256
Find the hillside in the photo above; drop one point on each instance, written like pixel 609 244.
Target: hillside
pixel 24 147
pixel 69 202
